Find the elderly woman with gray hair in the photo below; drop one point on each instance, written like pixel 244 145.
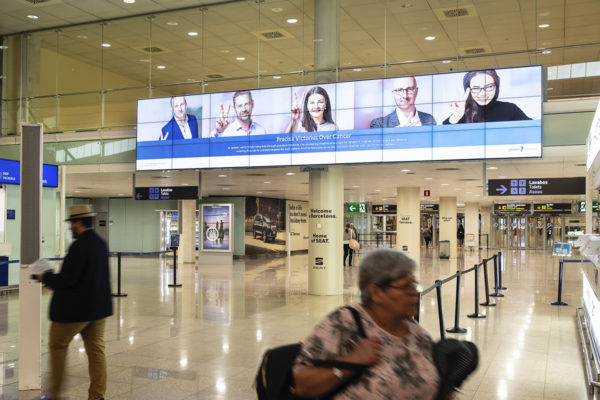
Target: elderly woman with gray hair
pixel 397 351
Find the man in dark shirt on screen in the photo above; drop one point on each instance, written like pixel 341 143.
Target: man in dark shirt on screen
pixel 405 91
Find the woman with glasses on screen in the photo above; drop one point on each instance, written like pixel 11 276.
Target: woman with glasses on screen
pixel 397 351
pixel 315 110
pixel 480 102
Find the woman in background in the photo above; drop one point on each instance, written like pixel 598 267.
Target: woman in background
pixel 480 102
pixel 315 110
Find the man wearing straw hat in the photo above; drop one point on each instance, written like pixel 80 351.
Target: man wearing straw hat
pixel 81 302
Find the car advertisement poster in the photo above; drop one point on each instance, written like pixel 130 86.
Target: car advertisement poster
pixel 265 225
pixel 216 222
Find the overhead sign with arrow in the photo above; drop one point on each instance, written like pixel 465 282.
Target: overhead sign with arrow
pixel 356 208
pixel 536 186
pixel 166 193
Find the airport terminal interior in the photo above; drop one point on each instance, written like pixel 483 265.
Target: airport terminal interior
pixel 299 117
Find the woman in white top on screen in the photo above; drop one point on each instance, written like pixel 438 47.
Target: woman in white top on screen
pixel 316 113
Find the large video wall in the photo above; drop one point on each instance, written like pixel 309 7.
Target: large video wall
pixel 455 116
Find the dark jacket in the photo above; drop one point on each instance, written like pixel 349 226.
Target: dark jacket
pixel 391 120
pixel 497 111
pixel 82 289
pixel 172 131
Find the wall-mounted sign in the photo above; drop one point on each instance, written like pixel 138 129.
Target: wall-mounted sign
pixel 581 206
pixel 429 207
pixel 358 123
pixel 511 208
pixel 552 208
pixel 536 186
pixel 315 168
pixel 426 193
pixel 356 208
pixel 167 193
pixel 383 209
pixel 10 214
pixel 10 172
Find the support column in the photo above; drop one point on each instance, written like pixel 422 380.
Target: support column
pixel 408 232
pixel 30 291
pixel 448 222
pixel 327 40
pixel 486 221
pixel 472 223
pixel 325 231
pixel 187 240
pixel 62 176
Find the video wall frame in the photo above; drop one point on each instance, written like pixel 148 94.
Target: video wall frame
pixel 484 114
pixel 217 228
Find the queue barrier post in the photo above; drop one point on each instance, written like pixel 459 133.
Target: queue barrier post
pixel 418 310
pixel 560 279
pixel 487 289
pixel 456 328
pixel 500 287
pixel 175 284
pixel 476 314
pixel 119 294
pixel 496 293
pixel 438 291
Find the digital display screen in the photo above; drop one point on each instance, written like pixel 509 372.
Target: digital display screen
pixel 483 114
pixel 10 172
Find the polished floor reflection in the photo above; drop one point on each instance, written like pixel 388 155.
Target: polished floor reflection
pixel 205 339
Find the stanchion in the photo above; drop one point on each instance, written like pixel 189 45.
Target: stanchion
pixel 174 284
pixel 456 328
pixel 500 287
pixel 487 289
pixel 418 310
pixel 119 294
pixel 496 293
pixel 476 314
pixel 438 291
pixel 560 278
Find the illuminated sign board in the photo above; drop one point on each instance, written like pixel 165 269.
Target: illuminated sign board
pixel 347 122
pixel 581 206
pixel 552 208
pixel 383 209
pixel 429 208
pixel 10 172
pixel 356 208
pixel 166 193
pixel 536 186
pixel 512 208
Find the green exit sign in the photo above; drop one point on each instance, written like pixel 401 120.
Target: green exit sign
pixel 581 206
pixel 356 208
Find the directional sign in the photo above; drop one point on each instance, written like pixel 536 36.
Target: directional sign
pixel 383 209
pixel 166 193
pixel 429 207
pixel 356 208
pixel 581 206
pixel 536 186
pixel 552 208
pixel 511 208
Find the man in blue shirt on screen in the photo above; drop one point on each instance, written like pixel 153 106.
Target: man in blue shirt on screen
pixel 243 124
pixel 405 92
pixel 182 125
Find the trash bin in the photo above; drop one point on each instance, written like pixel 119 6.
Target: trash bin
pixel 444 250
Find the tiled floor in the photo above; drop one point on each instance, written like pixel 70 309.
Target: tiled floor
pixel 205 339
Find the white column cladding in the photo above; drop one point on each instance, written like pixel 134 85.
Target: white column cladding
pixel 408 231
pixel 472 223
pixel 325 231
pixel 62 176
pixel 30 291
pixel 589 192
pixel 448 222
pixel 486 221
pixel 188 229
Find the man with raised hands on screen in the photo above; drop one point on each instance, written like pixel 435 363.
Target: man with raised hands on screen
pixel 243 123
pixel 182 125
pixel 405 92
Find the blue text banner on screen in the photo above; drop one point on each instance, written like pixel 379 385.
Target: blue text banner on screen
pixel 383 120
pixel 10 171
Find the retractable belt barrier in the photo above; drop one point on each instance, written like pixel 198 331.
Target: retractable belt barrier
pixel 559 302
pixel 458 275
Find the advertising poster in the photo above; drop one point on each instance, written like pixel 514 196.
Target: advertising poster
pixel 265 225
pixel 216 222
pixel 298 224
pixel 482 114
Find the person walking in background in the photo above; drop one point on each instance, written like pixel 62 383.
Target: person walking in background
pixel 427 234
pixel 460 235
pixel 348 234
pixel 80 304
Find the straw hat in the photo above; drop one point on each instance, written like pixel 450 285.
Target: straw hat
pixel 80 211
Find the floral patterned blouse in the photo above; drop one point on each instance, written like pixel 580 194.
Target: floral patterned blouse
pixel 405 370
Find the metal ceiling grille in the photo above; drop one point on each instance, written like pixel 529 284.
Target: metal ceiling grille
pixel 447 13
pixel 273 34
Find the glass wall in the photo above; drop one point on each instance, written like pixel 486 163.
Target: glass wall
pixel 89 76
